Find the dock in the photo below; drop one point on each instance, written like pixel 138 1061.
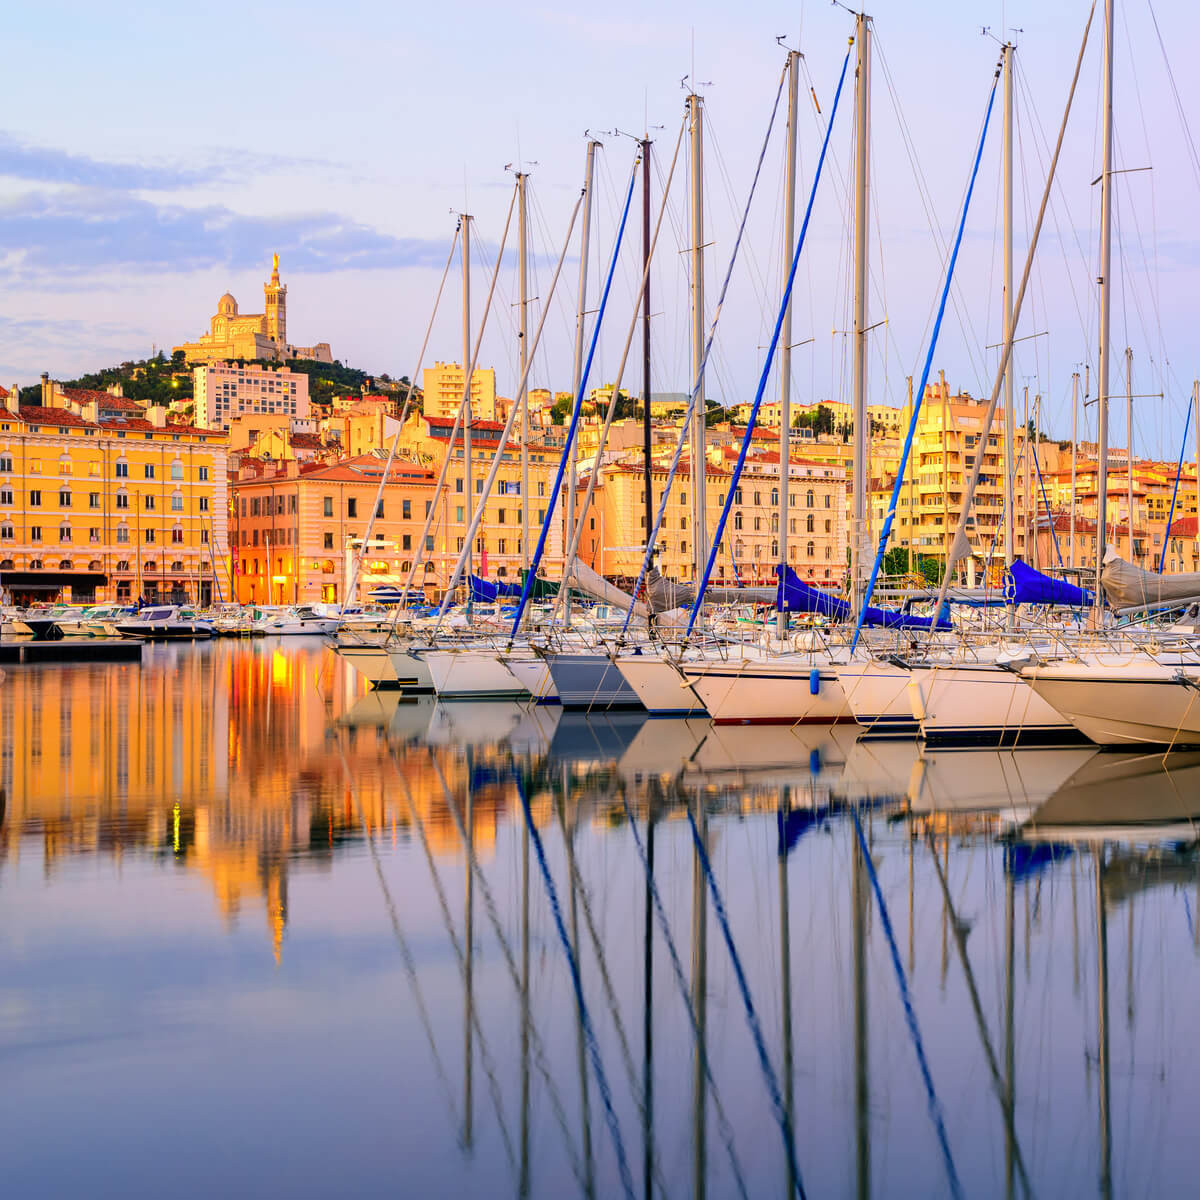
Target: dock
pixel 70 650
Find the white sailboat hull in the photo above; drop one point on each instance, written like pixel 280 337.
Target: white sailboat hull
pixel 877 695
pixel 533 673
pixel 472 675
pixel 373 663
pixel 412 671
pixel 1145 706
pixel 660 687
pixel 768 692
pixel 983 705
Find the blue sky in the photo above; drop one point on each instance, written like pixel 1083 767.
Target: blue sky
pixel 153 156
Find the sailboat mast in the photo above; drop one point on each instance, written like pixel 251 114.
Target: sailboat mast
pixel 580 322
pixel 1009 413
pixel 1105 302
pixel 1196 430
pixel 859 552
pixel 785 360
pixel 647 473
pixel 466 325
pixel 699 441
pixel 1129 451
pixel 1074 454
pixel 523 336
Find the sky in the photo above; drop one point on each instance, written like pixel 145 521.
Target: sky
pixel 152 157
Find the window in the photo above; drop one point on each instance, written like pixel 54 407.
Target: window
pixel 737 520
pixel 5 462
pixel 204 504
pixel 541 487
pixel 406 542
pixel 428 544
pixel 479 487
pixel 202 474
pixel 122 470
pixel 774 495
pixel 352 507
pixel 809 498
pixel 809 524
pixel 6 532
pixel 737 496
pixel 6 495
pixel 379 510
pixel 177 534
pixel 204 536
pixel 122 499
pixel 428 507
pixel 758 497
pixel 93 499
pixel 93 534
pixel 35 498
pixel 791 524
pixel 406 509
pixel 149 536
pixel 149 470
pixel 35 533
pixel 176 469
pixel 64 499
pixel 148 502
pixel 64 533
pixel 458 513
pixel 810 550
pixel 326 506
pixel 828 525
pixel 328 540
pixel 177 502
pixel 122 536
pixel 122 564
pixel 828 498
pixel 500 515
pixel 502 546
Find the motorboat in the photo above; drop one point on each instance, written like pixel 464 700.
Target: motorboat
pixel 163 623
pixel 300 621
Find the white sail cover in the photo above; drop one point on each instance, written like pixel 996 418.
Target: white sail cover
pixel 586 580
pixel 1129 586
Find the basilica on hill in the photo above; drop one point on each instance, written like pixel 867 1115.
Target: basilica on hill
pixel 253 335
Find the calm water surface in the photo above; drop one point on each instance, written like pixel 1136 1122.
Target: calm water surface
pixel 265 933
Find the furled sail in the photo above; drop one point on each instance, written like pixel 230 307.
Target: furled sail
pixel 797 596
pixel 487 591
pixel 589 582
pixel 1024 585
pixel 1129 586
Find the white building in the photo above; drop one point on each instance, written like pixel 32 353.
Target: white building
pixel 226 390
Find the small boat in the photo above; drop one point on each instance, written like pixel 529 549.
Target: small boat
pixel 165 623
pixel 299 621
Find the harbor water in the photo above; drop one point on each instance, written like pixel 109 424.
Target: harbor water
pixel 266 932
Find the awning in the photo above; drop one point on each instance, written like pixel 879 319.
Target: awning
pixel 33 581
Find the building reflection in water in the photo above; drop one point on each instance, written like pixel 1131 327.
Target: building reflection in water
pixel 725 959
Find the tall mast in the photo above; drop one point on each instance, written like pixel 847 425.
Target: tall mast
pixel 1009 413
pixel 1074 454
pixel 699 442
pixel 647 473
pixel 785 361
pixel 468 502
pixel 1105 301
pixel 1029 549
pixel 858 549
pixel 523 336
pixel 1129 451
pixel 1196 430
pixel 580 323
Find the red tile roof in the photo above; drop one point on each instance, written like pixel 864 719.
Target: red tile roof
pixel 34 414
pixel 1183 527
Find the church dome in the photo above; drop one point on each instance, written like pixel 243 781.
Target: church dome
pixel 227 306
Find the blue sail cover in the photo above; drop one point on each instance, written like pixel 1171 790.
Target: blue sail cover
pixel 794 595
pixel 1024 585
pixel 487 592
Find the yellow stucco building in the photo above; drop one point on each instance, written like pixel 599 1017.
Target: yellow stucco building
pixel 106 501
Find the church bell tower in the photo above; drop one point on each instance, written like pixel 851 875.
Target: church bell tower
pixel 276 306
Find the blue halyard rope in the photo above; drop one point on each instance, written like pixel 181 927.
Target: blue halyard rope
pixel 764 1061
pixel 652 535
pixel 766 370
pixel 535 562
pixel 589 1032
pixel 920 392
pixel 910 1015
pixel 681 981
pixel 1162 562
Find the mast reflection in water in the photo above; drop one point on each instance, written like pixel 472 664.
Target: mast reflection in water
pixel 274 935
